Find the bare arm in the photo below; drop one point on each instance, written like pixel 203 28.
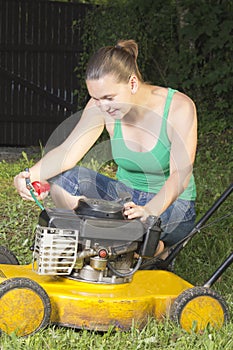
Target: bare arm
pixel 66 155
pixel 182 131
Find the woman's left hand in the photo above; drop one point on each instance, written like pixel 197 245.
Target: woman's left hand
pixel 133 211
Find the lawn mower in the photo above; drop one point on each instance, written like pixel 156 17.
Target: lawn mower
pixel 92 268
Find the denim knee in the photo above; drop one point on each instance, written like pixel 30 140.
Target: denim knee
pixel 87 182
pixel 178 221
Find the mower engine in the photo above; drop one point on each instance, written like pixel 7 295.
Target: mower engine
pixel 93 243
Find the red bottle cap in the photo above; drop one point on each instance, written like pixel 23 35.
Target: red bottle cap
pixel 41 187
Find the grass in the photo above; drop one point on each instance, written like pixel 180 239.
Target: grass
pixel 203 254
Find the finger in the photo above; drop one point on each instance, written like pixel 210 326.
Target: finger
pixel 131 209
pixel 27 197
pixel 133 213
pixel 129 205
pixel 25 193
pixel 23 175
pixel 19 180
pixel 43 195
pixel 137 212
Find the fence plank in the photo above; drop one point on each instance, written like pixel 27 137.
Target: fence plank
pixel 38 54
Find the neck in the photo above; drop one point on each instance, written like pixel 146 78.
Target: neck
pixel 139 103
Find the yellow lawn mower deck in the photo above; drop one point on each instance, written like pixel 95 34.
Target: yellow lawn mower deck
pixel 84 274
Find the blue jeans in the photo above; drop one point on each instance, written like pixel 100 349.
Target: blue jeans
pixel 177 220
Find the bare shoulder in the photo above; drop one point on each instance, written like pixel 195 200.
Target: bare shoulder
pixel 91 108
pixel 92 114
pixel 183 110
pixel 182 103
pixel 182 106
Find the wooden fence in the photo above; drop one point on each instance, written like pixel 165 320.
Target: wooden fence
pixel 39 50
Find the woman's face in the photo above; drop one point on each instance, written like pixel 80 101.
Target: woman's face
pixel 111 97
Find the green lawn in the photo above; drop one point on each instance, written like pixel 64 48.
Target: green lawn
pixel 202 255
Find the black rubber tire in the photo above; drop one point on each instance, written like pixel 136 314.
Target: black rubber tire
pixel 14 284
pixel 7 257
pixel 189 295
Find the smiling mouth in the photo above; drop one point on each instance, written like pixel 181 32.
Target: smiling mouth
pixel 112 112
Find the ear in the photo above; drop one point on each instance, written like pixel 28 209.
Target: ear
pixel 133 82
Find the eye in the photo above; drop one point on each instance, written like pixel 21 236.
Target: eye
pixel 95 99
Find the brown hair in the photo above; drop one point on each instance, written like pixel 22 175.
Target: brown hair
pixel 119 60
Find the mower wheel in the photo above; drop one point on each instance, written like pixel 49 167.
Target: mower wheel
pixel 196 308
pixel 7 257
pixel 25 307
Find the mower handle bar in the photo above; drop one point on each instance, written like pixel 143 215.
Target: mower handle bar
pixel 179 246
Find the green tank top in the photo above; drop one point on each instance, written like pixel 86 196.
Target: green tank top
pixel 147 171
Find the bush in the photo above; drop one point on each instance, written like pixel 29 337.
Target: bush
pixel 181 45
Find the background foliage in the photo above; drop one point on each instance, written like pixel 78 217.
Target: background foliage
pixel 181 44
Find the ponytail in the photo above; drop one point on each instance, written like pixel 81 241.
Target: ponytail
pixel 119 60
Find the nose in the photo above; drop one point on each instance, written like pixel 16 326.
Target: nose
pixel 103 105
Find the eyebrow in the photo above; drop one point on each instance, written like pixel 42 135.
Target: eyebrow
pixel 104 97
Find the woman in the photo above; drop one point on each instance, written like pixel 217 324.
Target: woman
pixel 153 133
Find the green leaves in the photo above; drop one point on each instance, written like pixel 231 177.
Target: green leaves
pixel 181 44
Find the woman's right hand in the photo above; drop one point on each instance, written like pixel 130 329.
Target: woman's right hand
pixel 20 185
